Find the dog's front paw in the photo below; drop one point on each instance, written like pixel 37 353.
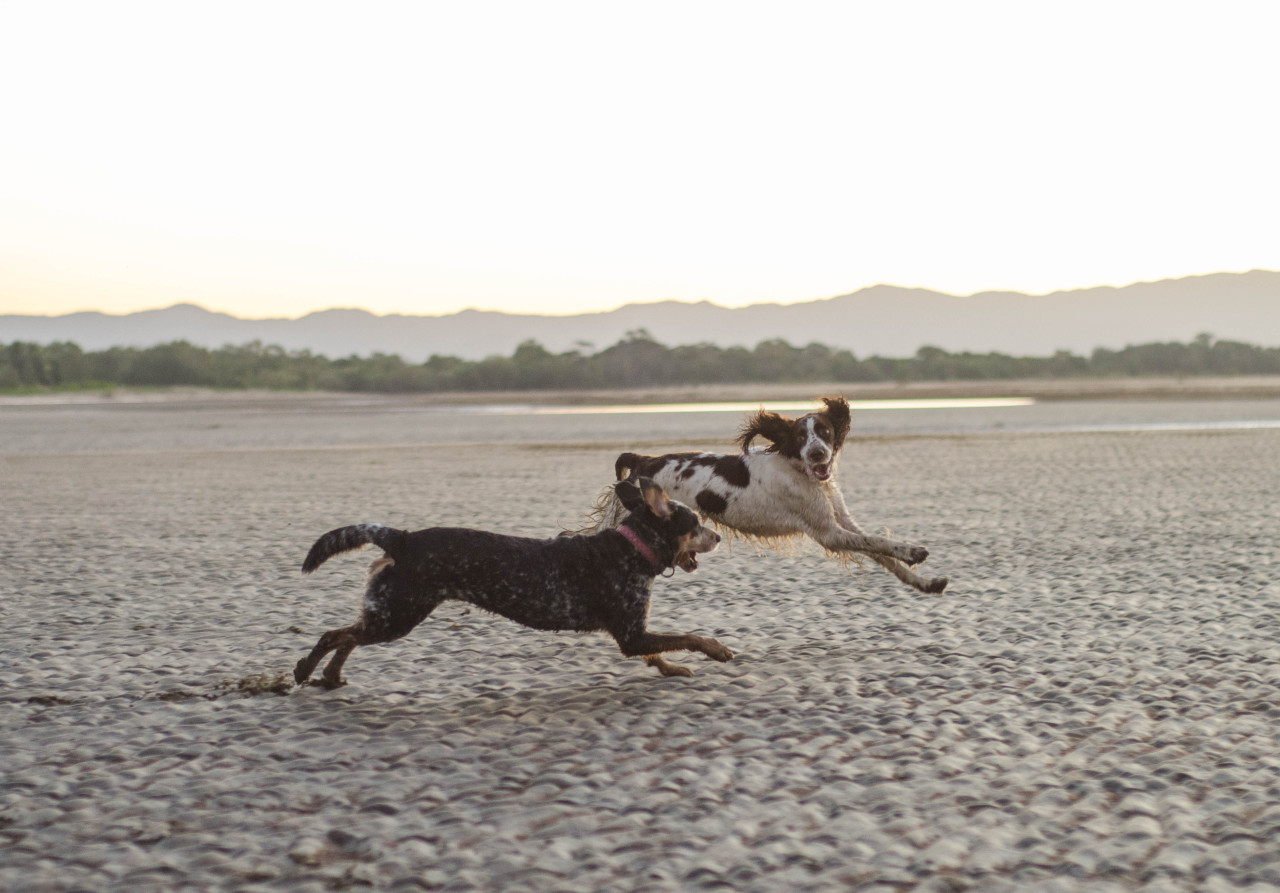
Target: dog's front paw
pixel 659 663
pixel 674 670
pixel 937 584
pixel 917 555
pixel 716 651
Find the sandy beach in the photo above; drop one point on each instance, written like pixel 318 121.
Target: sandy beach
pixel 1091 706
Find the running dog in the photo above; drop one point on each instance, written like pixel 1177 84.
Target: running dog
pixel 591 583
pixel 786 489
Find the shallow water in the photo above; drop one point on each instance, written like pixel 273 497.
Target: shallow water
pixel 350 422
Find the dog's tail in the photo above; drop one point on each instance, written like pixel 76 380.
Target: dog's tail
pixel 344 539
pixel 625 466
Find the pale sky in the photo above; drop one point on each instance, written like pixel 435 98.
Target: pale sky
pixel 270 159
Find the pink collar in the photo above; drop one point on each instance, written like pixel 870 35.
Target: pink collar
pixel 641 546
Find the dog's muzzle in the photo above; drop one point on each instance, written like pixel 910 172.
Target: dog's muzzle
pixel 687 562
pixel 687 558
pixel 819 470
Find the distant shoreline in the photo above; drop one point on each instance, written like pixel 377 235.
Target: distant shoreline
pixel 1151 388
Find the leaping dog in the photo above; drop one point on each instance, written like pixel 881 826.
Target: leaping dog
pixel 585 583
pixel 786 489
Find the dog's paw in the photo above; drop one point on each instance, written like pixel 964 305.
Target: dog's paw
pixel 659 663
pixel 716 651
pixel 674 670
pixel 302 672
pixel 937 584
pixel 917 555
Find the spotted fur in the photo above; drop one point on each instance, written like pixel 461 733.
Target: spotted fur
pixel 782 490
pixel 584 583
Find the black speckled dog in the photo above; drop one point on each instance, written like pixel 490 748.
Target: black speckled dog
pixel 585 583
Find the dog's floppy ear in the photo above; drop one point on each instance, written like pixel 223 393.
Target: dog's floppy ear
pixel 838 412
pixel 625 466
pixel 643 493
pixel 656 498
pixel 769 425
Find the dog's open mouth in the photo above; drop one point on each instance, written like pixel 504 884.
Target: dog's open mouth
pixel 821 470
pixel 687 561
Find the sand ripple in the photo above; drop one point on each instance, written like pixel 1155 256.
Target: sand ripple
pixel 1092 706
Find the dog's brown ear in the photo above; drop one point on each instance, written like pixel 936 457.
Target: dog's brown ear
pixel 769 425
pixel 643 493
pixel 838 412
pixel 625 466
pixel 655 497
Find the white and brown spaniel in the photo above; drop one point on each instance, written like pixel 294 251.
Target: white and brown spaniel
pixel 785 489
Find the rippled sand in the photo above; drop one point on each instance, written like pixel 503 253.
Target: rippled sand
pixel 1091 706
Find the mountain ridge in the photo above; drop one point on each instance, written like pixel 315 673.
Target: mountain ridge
pixel 880 319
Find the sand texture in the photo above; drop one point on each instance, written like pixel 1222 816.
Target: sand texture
pixel 1092 705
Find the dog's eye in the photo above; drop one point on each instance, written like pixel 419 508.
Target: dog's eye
pixel 685 522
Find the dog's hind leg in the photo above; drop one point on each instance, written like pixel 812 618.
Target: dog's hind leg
pixel 369 630
pixel 393 606
pixel 334 639
pixel 332 676
pixel 341 642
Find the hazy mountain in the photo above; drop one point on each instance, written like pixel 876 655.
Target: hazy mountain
pixel 883 319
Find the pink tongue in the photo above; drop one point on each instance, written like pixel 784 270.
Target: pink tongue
pixel 821 472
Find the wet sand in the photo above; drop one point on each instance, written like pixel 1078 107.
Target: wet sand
pixel 1091 706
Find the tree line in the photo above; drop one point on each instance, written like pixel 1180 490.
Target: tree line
pixel 636 361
